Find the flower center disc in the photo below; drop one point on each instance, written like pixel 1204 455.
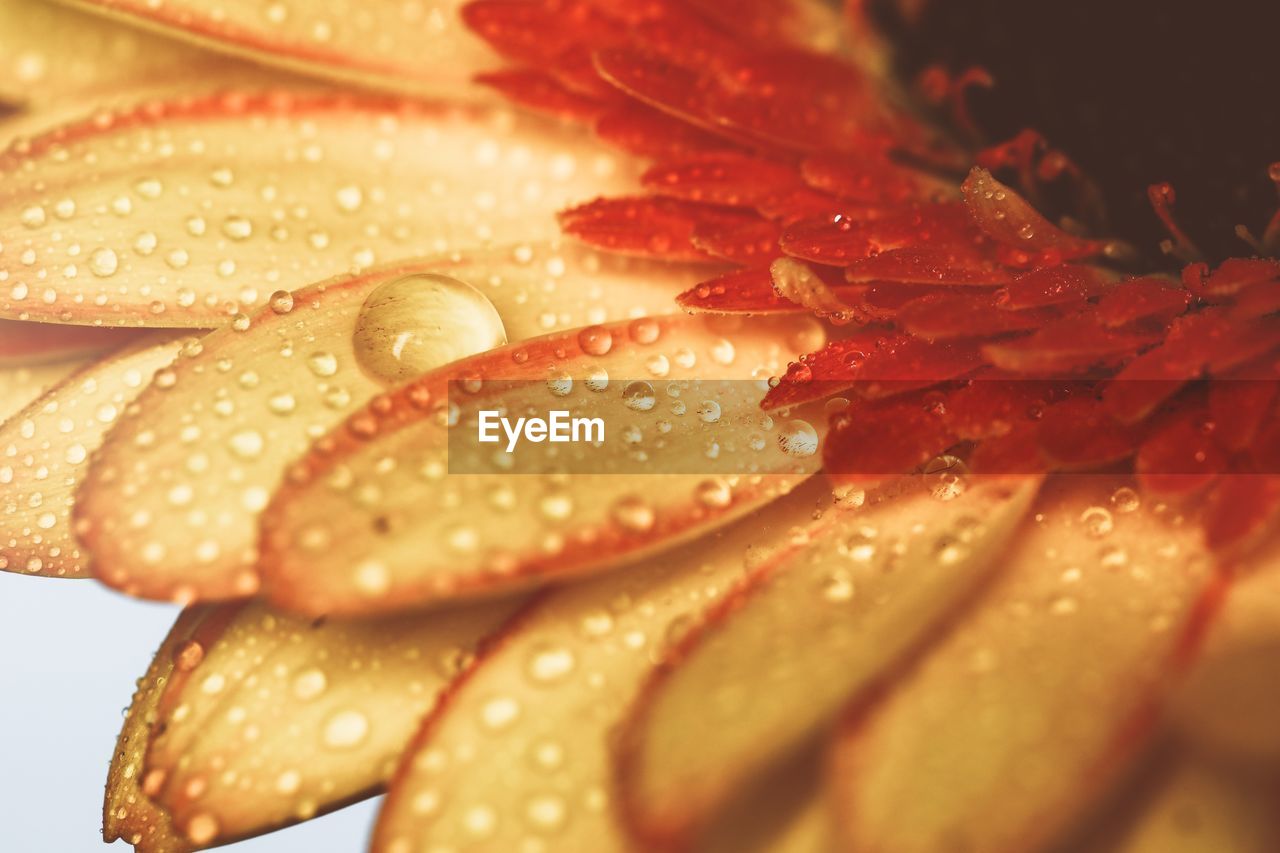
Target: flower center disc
pixel 1136 93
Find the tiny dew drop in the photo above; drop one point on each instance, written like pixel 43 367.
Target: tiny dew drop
pixel 634 514
pixel 415 324
pixel 1097 522
pixel 281 302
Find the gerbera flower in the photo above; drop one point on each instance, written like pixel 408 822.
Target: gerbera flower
pixel 1028 602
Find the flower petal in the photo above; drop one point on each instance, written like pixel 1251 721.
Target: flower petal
pixel 1230 699
pixel 127 812
pixel 1046 688
pixel 1006 217
pixel 54 56
pixel 423 48
pixel 44 452
pixel 208 447
pixel 185 212
pixel 519 749
pixel 762 672
pixel 407 534
pixel 39 343
pixel 271 719
pixel 1190 806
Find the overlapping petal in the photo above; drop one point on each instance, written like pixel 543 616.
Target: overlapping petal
pixel 1032 705
pixel 45 451
pixel 187 212
pixel 757 676
pixel 171 506
pixel 518 751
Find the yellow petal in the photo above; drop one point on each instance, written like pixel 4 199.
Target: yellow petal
pixel 205 448
pixel 186 212
pixel 422 47
pixel 1230 700
pixel 274 719
pixel 759 676
pixel 1006 730
pixel 518 754
pixel 45 450
pixel 127 812
pixel 373 521
pixel 52 56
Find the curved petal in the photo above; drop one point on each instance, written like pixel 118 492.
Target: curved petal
pixel 183 213
pixel 39 343
pixel 1004 732
pixel 171 504
pixel 127 812
pixel 1230 700
pixel 422 48
pixel 51 55
pixel 352 532
pixel 760 674
pixel 519 749
pixel 20 384
pixel 269 719
pixel 44 452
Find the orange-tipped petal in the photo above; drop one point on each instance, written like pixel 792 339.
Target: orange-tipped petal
pixel 127 812
pixel 39 343
pixel 759 674
pixel 519 749
pixel 55 56
pixel 1008 218
pixel 1030 706
pixel 185 212
pixel 44 453
pixel 1230 700
pixel 171 505
pixel 350 533
pixel 270 719
pixel 423 48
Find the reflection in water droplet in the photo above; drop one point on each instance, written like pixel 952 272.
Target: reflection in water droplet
pixel 798 438
pixel 639 396
pixel 346 729
pixel 421 322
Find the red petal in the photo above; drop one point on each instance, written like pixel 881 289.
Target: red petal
pixel 950 316
pixel 870 441
pixel 730 179
pixel 1180 455
pixel 1065 347
pixel 1054 286
pixel 647 132
pixel 925 265
pixel 744 292
pixel 1005 216
pixel 742 241
pixel 1238 274
pixel 542 92
pixel 870 179
pixel 820 374
pixel 842 240
pixel 1141 299
pixel 648 227
pixel 537 33
pixel 1157 374
pixel 1079 433
pixel 1239 407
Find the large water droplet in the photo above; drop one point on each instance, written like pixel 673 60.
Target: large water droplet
pixel 421 322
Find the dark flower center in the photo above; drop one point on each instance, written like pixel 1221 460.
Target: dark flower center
pixel 1136 92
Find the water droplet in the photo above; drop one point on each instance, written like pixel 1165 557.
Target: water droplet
pixel 346 729
pixel 709 411
pixel 715 493
pixel 104 263
pixel 412 325
pixel 798 438
pixel 281 302
pixel 639 396
pixel 309 684
pixel 634 514
pixel 201 829
pixel 322 364
pixel 1097 521
pixel 499 712
pixel 548 664
pixel 1125 500
pixel 595 340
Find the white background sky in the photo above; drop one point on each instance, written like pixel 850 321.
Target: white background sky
pixel 70 652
